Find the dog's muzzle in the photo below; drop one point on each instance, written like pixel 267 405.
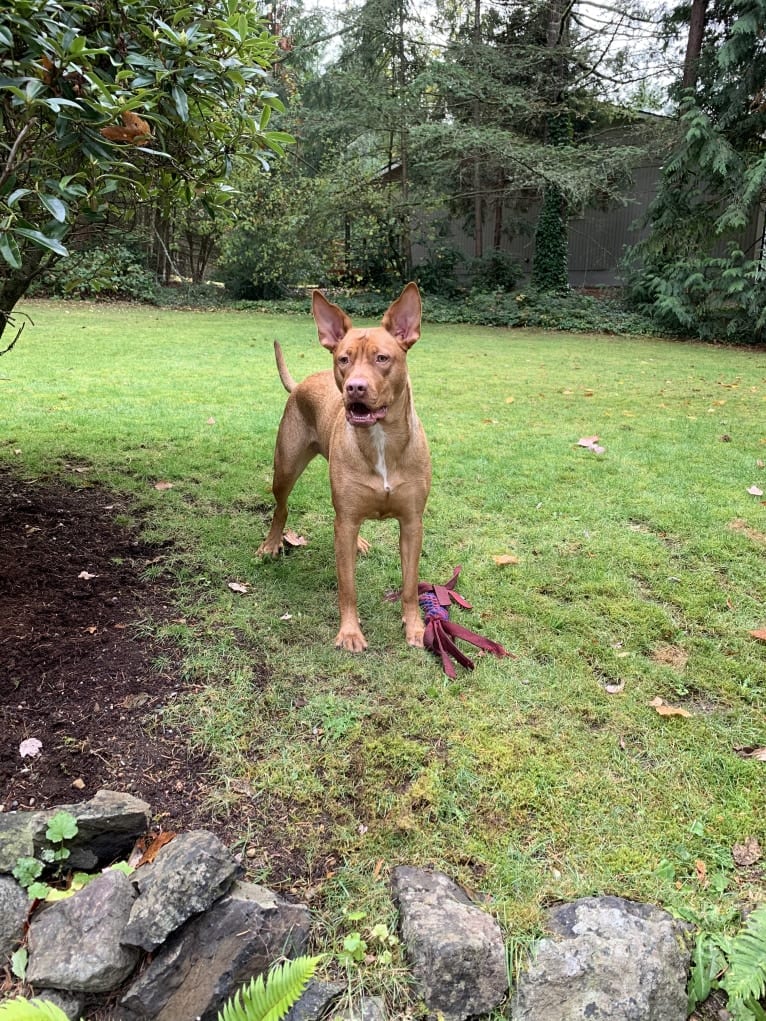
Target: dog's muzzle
pixel 358 414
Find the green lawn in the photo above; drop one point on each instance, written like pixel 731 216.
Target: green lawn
pixel 641 569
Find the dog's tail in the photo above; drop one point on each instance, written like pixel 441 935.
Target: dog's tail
pixel 284 373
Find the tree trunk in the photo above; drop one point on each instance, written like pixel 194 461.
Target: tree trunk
pixel 694 43
pixel 478 206
pixel 15 285
pixel 404 153
pixel 549 267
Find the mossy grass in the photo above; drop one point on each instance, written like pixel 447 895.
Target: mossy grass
pixel 639 575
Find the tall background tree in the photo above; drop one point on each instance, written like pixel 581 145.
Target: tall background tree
pixel 700 269
pixel 105 106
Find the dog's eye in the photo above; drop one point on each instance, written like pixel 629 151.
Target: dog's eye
pixel 382 359
pixel 343 360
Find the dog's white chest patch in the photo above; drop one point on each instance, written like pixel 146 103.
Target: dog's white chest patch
pixel 379 442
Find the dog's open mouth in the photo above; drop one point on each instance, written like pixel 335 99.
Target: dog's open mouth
pixel 360 414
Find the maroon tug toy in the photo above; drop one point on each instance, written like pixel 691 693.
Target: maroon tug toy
pixel 435 601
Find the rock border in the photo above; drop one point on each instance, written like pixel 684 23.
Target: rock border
pixel 178 937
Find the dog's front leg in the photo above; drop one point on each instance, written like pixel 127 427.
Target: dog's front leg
pixel 410 544
pixel 350 636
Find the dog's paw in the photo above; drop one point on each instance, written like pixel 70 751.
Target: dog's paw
pixel 351 641
pixel 414 634
pixel 362 546
pixel 269 548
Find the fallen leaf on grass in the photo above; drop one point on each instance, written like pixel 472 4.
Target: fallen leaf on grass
pixel 660 706
pixel 755 491
pixel 759 634
pixel 751 752
pixel 237 586
pixel 614 689
pixel 293 539
pixel 506 559
pixel 747 853
pixel 162 486
pixel 591 443
pixel 286 616
pixel 701 869
pixel 29 748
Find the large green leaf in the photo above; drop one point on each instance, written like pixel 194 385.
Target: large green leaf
pixel 271 999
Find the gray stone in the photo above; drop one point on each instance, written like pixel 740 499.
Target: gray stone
pixel 187 876
pixel 14 908
pixel 614 959
pixel 75 944
pixel 17 837
pixel 368 1008
pixel 208 960
pixel 456 950
pixel 107 828
pixel 73 1004
pixel 316 1000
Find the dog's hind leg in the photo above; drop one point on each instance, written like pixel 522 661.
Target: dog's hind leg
pixel 291 455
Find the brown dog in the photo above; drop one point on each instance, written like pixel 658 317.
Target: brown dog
pixel 362 419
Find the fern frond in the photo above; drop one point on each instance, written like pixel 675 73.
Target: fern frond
pixel 20 1009
pixel 271 999
pixel 745 979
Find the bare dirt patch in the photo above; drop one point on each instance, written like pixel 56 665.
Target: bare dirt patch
pixel 671 655
pixel 77 669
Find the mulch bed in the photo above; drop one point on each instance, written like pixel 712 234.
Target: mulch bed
pixel 76 673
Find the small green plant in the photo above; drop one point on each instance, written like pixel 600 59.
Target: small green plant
pixel 735 964
pixel 20 1009
pixel 62 826
pixel 270 999
pixel 19 962
pixel 374 947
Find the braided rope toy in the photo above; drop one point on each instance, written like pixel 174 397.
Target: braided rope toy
pixel 440 631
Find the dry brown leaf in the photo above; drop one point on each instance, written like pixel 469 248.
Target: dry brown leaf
pixel 237 586
pixel 506 559
pixel 747 853
pixel 162 486
pixel 293 539
pixel 155 847
pixel 751 752
pixel 660 706
pixel 701 869
pixel 614 689
pixel 134 130
pixel 759 634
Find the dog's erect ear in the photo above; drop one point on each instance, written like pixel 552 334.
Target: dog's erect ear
pixel 402 319
pixel 332 322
